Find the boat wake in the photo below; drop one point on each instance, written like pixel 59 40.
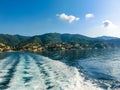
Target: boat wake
pixel 25 71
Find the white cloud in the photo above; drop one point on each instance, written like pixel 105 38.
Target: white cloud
pixel 106 28
pixel 108 24
pixel 68 18
pixel 89 15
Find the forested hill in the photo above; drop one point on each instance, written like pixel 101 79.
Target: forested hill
pixel 55 41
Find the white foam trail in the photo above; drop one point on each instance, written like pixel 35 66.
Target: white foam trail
pixel 3 62
pixel 64 77
pixel 18 83
pixel 4 67
pixel 47 74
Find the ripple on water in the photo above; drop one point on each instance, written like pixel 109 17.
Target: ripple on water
pixel 43 73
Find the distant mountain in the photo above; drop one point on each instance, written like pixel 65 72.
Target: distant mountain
pixel 107 38
pixel 58 41
pixel 53 38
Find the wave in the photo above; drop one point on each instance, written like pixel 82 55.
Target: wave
pixel 35 72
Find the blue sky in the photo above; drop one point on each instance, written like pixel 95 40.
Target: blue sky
pixel 33 17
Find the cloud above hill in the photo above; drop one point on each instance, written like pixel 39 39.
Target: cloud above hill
pixel 89 15
pixel 108 24
pixel 68 18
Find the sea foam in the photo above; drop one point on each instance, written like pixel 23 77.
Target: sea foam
pixel 35 72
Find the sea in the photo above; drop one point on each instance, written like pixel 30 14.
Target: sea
pixel 61 70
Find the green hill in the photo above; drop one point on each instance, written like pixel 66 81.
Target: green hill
pixel 56 41
pixel 12 40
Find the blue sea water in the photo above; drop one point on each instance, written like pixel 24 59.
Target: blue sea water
pixel 99 66
pixel 63 70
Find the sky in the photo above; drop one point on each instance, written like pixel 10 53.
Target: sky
pixel 35 17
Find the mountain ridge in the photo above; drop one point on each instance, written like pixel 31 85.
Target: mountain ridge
pixel 56 41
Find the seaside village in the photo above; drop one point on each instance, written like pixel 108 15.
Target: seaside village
pixel 4 47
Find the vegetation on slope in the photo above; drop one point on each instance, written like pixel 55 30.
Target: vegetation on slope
pixel 56 41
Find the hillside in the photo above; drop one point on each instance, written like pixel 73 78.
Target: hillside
pixel 56 41
pixel 12 40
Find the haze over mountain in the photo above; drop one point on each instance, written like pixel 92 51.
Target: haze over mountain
pixel 107 37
